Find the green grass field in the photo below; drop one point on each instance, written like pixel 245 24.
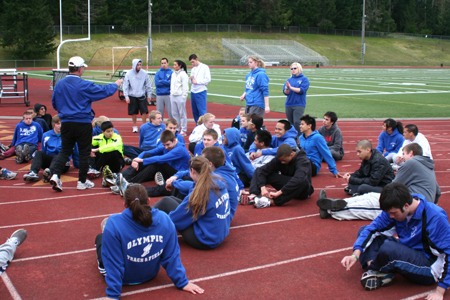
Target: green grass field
pixel 350 92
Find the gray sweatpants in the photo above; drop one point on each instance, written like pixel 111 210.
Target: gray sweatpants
pixel 7 251
pixel 362 207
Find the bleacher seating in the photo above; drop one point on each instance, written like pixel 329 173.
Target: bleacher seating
pixel 275 52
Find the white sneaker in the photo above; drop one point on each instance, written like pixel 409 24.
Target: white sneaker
pixel 87 185
pixel 56 183
pixel 135 129
pixel 262 202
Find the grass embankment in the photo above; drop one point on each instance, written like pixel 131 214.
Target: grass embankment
pixel 340 50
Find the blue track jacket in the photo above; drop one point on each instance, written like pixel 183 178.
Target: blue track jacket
pixel 133 254
pixel 211 228
pixel 427 231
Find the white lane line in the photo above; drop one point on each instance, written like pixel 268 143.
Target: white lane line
pixel 240 271
pixel 10 287
pixel 102 216
pixel 52 198
pixel 54 221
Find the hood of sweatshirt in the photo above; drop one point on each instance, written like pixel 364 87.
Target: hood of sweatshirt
pixel 134 63
pixel 425 160
pixel 233 137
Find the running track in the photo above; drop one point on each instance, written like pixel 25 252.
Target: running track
pixel 282 252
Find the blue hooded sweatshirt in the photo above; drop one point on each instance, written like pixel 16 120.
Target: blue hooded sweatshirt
pixel 51 145
pixel 390 143
pixel 289 137
pixel 256 87
pixel 134 254
pixel 162 82
pixel 149 135
pixel 317 150
pixel 212 227
pixel 297 99
pixel 228 174
pixel 236 153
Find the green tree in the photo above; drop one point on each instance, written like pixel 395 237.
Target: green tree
pixel 27 28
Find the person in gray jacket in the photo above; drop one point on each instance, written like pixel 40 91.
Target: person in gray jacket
pixel 417 174
pixel 137 91
pixel 332 134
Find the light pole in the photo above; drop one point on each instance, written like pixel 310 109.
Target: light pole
pixel 363 33
pixel 149 41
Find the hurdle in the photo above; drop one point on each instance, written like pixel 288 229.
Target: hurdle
pixel 14 85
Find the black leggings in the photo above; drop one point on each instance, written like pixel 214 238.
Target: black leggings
pixel 170 203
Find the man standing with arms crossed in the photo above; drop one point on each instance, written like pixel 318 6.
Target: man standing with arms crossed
pixel 136 86
pixel 200 77
pixel 72 99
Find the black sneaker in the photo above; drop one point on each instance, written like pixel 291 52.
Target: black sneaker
pixel 18 236
pixel 348 190
pixel 27 153
pixel 46 175
pixel 331 204
pixel 371 280
pixel 19 154
pixel 127 161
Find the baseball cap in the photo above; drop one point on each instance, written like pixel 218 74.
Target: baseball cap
pixel 77 61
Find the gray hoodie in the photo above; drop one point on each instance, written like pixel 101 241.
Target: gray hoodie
pixel 136 84
pixel 418 175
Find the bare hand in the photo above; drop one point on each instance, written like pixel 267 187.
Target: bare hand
pixel 127 100
pixel 288 85
pixel 193 288
pixel 437 294
pixel 276 194
pixel 348 261
pixel 265 192
pixel 119 82
pixel 267 109
pixel 242 97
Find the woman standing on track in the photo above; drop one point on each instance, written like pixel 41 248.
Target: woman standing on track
pixel 203 217
pixel 295 90
pixel 256 93
pixel 136 242
pixel 179 88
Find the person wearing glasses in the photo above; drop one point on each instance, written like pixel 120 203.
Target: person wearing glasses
pixel 295 90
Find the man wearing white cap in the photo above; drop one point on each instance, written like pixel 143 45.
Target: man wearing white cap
pixel 72 99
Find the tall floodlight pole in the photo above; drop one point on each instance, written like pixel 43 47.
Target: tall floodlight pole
pixel 363 33
pixel 149 41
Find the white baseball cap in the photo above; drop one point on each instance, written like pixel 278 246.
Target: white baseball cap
pixel 77 61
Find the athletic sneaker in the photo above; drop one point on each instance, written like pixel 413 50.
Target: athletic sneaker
pixel 46 175
pixel 56 183
pixel 261 202
pixel 135 129
pixel 115 190
pixel 18 236
pixel 31 177
pixel 109 178
pixel 93 173
pixel 3 148
pixel 127 161
pixel 7 174
pixel 159 178
pixel 372 280
pixel 122 184
pixel 27 153
pixel 19 154
pixel 85 185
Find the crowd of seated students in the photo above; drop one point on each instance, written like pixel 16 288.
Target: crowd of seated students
pixel 245 163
